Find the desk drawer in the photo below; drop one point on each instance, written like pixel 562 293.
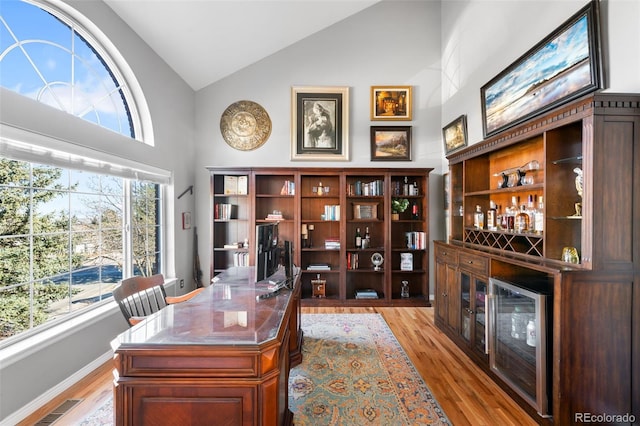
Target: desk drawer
pixel 446 254
pixel 473 262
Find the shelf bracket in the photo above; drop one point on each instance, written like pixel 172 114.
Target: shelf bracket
pixel 190 189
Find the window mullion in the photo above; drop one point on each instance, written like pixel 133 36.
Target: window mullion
pixel 127 240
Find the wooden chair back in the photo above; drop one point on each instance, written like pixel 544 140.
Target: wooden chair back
pixel 140 296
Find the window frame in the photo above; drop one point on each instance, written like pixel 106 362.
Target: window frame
pixel 66 155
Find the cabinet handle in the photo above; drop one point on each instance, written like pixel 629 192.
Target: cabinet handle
pixel 470 262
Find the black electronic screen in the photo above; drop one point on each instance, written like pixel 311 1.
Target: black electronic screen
pixel 266 251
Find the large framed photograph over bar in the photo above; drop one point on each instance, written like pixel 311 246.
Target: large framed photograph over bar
pixel 320 123
pixel 563 66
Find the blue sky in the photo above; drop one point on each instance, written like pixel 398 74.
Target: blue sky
pixel 41 58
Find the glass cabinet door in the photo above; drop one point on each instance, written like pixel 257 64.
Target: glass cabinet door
pixel 465 306
pixel 480 311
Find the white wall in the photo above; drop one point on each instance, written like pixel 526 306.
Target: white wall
pixel 390 43
pixel 481 38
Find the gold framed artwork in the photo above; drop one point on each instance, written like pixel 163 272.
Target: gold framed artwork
pixel 391 103
pixel 455 134
pixel 320 123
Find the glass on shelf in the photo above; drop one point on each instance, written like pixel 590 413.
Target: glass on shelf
pixel 570 255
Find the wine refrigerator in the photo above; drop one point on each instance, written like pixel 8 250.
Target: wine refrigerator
pixel 520 337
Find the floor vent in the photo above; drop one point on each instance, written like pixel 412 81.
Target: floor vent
pixel 58 412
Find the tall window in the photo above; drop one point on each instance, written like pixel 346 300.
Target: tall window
pixel 63 239
pixel 46 56
pixel 71 226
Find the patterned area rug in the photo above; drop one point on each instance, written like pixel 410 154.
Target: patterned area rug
pixel 354 372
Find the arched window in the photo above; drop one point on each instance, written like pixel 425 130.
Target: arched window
pixel 47 56
pixel 73 220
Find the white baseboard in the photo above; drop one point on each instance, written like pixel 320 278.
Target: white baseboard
pixel 19 415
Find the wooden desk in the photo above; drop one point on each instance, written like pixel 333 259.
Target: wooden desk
pixel 220 358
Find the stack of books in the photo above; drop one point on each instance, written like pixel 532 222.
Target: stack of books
pixel 233 246
pixel 368 293
pixel 319 267
pixel 274 216
pixel 332 244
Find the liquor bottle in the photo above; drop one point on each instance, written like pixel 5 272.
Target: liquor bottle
pixel 511 213
pixel 415 210
pixel 492 217
pixel 406 186
pixel 531 210
pixel 539 217
pixel 478 218
pixel 358 239
pixel 522 220
pixel 366 243
pixel 416 191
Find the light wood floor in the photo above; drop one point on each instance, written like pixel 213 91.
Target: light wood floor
pixel 465 393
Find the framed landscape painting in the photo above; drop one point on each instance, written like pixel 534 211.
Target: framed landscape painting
pixel 391 143
pixel 560 68
pixel 391 103
pixel 320 123
pixel 454 134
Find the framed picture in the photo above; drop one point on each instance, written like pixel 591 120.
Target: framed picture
pixel 391 143
pixel 454 134
pixel 186 220
pixel 391 103
pixel 561 67
pixel 320 123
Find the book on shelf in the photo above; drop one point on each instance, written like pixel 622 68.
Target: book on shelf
pixel 406 261
pixel 416 240
pixel 353 260
pixel 366 189
pixel 366 294
pixel 288 188
pixel 273 216
pixel 225 211
pixel 241 258
pixel 331 212
pixel 319 267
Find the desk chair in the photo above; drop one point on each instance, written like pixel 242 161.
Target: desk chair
pixel 140 296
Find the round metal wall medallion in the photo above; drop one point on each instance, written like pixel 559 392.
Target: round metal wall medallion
pixel 245 125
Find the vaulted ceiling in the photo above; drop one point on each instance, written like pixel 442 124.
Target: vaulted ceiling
pixel 207 40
